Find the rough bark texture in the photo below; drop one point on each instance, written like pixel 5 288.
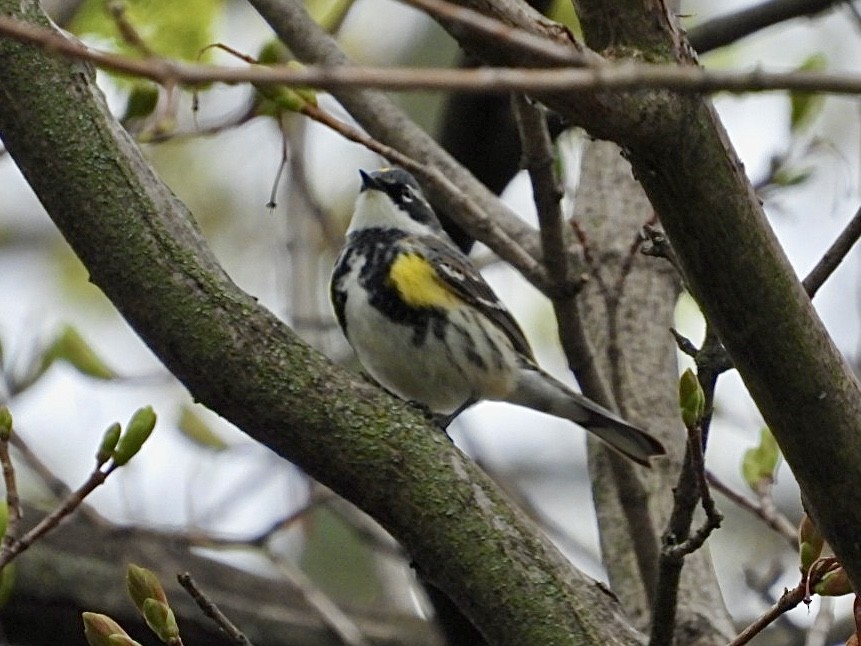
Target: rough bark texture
pixel 143 250
pixel 628 310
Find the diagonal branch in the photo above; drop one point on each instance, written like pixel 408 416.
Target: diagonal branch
pixel 833 256
pixel 727 29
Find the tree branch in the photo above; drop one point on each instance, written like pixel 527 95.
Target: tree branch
pixel 144 251
pixel 339 77
pixel 727 29
pixel 833 256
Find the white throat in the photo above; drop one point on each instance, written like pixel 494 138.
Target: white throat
pixel 376 209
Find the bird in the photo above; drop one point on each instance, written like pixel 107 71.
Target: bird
pixel 426 326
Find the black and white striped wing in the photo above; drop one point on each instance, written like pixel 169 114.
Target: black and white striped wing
pixel 457 273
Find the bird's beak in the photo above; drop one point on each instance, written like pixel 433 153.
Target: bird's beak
pixel 369 182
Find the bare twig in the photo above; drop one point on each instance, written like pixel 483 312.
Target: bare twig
pixel 729 28
pixel 507 35
pixel 660 247
pixel 117 11
pixel 13 500
pixel 713 516
pixel 834 256
pixel 621 77
pixel 789 600
pixel 770 516
pixel 684 343
pixel 539 160
pixel 208 607
pixel 73 501
pixel 685 498
pixel 56 486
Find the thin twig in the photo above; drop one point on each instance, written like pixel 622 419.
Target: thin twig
pixel 684 343
pixel 620 77
pixel 834 256
pixel 55 485
pixel 775 520
pixel 49 522
pixel 660 247
pixel 788 600
pixel 513 37
pixel 117 11
pixel 713 516
pixel 686 495
pixel 319 497
pixel 539 160
pixel 13 500
pixel 208 607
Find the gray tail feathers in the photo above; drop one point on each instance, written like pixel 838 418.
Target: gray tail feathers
pixel 539 391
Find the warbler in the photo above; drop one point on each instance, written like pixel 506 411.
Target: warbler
pixel 427 327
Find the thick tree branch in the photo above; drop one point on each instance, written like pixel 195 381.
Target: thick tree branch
pixel 142 248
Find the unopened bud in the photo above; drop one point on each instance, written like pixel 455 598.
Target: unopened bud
pixel 143 584
pixel 692 399
pixel 137 431
pixel 159 617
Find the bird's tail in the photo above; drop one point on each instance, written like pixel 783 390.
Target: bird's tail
pixel 538 390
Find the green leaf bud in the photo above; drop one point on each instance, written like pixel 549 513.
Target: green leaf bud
pixel 137 431
pixel 143 584
pixel 98 629
pixel 161 620
pixel 834 583
pixel 109 443
pixel 692 399
pixel 810 543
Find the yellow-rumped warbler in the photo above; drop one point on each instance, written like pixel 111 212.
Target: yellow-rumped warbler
pixel 427 327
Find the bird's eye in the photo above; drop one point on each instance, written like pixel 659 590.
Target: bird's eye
pixel 406 194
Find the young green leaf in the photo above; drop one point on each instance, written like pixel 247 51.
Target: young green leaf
pixel 70 346
pixel 760 463
pixel 192 426
pixel 804 106
pixel 171 29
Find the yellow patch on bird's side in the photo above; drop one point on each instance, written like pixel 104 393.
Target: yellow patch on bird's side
pixel 417 283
